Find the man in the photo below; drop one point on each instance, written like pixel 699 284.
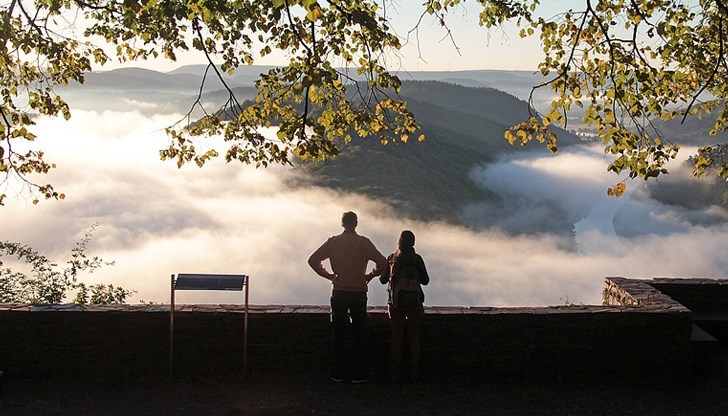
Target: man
pixel 349 254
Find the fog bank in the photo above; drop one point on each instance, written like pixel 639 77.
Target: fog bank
pixel 156 220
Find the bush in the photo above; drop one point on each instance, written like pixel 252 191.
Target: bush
pixel 47 283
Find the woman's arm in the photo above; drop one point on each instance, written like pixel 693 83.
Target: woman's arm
pixel 384 277
pixel 422 270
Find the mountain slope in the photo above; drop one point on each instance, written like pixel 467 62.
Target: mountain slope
pixel 430 180
pixel 464 128
pixel 693 131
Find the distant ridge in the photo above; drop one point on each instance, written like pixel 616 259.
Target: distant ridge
pixel 139 79
pixel 187 77
pixel 199 69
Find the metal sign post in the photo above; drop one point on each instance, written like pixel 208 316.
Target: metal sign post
pixel 193 281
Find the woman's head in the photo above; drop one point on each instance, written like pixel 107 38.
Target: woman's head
pixel 406 240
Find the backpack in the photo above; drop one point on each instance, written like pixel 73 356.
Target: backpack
pixel 405 285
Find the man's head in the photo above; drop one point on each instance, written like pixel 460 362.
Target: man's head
pixel 349 221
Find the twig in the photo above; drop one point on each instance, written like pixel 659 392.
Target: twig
pixel 712 73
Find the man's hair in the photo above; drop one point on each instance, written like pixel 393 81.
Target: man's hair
pixel 349 219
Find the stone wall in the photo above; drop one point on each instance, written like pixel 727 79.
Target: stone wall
pixel 133 340
pixel 620 291
pixel 707 299
pixel 698 295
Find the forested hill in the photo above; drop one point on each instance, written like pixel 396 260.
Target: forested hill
pixel 692 131
pixel 430 180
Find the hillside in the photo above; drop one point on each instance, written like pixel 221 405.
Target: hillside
pixel 518 83
pixel 693 131
pixel 430 180
pixel 243 76
pixel 464 128
pixel 681 188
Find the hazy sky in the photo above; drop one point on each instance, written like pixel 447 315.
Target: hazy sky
pixel 471 46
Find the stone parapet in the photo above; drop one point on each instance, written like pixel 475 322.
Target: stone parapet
pixel 641 293
pixel 638 332
pixel 323 309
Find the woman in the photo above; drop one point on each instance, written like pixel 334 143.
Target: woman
pixel 405 274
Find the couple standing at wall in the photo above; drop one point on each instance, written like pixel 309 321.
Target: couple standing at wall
pixel 349 255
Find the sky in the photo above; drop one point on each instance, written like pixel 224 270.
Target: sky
pixel 469 47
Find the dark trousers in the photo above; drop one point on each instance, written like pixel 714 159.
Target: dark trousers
pixel 411 319
pixel 349 311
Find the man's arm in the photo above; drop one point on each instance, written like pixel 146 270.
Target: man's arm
pixel 379 260
pixel 316 262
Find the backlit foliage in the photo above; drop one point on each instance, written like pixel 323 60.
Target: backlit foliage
pixel 40 280
pixel 626 63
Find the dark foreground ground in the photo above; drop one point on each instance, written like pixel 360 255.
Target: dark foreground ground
pixel 706 394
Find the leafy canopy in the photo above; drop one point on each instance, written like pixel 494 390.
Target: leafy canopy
pixel 664 59
pixel 625 62
pixel 312 101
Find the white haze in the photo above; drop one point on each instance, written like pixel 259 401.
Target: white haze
pixel 156 220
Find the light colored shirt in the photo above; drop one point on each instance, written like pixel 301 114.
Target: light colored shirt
pixel 349 254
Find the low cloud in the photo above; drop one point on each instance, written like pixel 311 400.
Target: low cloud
pixel 156 220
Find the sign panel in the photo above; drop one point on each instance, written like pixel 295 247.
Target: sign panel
pixel 195 281
pixel 191 281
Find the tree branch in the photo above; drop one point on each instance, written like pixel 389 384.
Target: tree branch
pixel 565 68
pixel 307 100
pixel 712 72
pixel 722 6
pixel 198 30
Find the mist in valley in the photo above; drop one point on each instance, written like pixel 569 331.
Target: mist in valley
pixel 156 220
